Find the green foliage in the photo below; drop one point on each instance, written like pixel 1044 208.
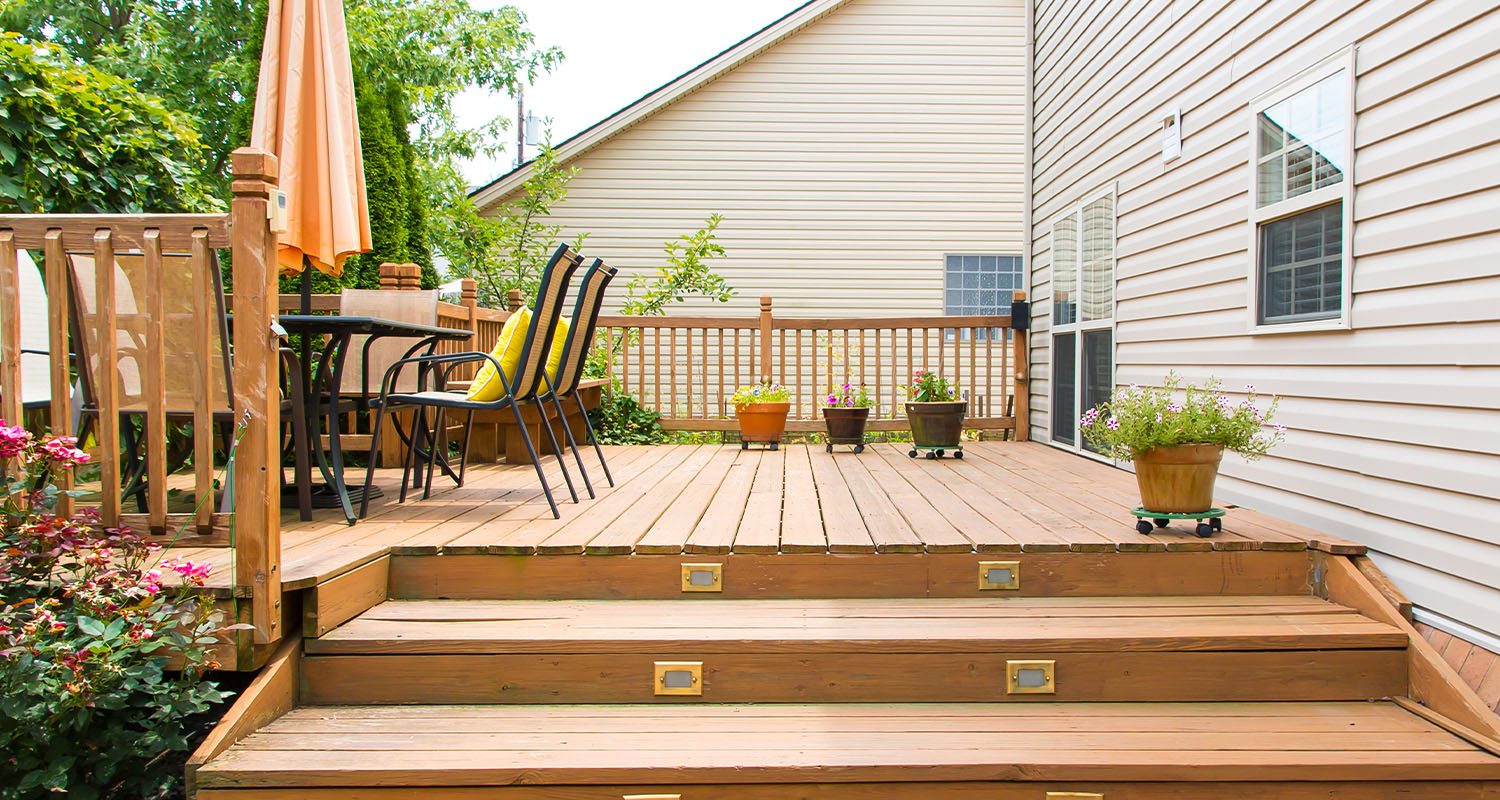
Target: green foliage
pixel 686 271
pixel 928 387
pixel 1135 420
pixel 75 139
pixel 849 396
pixel 760 393
pixel 509 249
pixel 621 419
pixel 87 626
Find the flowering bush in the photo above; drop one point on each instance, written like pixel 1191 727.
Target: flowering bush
pixel 760 393
pixel 88 623
pixel 849 396
pixel 928 387
pixel 1135 420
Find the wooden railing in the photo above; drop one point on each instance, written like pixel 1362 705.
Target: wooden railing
pixel 687 367
pixel 148 348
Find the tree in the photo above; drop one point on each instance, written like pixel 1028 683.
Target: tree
pixel 76 139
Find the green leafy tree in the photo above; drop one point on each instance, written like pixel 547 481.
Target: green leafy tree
pixel 76 139
pixel 685 272
pixel 509 249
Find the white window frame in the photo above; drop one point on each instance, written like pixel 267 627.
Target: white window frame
pixel 1080 327
pixel 1343 61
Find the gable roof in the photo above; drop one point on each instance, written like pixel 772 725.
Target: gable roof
pixel 663 95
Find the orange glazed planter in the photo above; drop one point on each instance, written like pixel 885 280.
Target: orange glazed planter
pixel 1178 479
pixel 762 422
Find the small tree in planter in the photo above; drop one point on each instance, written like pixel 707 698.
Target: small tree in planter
pixel 762 410
pixel 1176 436
pixel 936 413
pixel 845 412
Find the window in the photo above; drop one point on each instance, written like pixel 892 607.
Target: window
pixel 1083 303
pixel 979 285
pixel 1301 216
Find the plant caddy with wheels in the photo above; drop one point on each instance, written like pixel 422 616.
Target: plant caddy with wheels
pixel 936 414
pixel 1176 436
pixel 845 412
pixel 762 409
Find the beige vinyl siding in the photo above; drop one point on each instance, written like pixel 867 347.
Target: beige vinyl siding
pixel 847 159
pixel 1395 424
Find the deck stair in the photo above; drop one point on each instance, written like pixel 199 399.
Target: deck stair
pixel 1260 696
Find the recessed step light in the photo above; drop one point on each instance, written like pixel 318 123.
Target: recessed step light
pixel 678 678
pixel 1005 575
pixel 1030 677
pixel 703 577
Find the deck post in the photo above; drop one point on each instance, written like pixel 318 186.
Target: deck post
pixel 1021 386
pixel 765 339
pixel 257 490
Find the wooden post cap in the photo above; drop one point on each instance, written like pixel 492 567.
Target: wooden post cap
pixel 513 299
pixel 469 289
pixel 250 164
pixel 765 302
pixel 388 277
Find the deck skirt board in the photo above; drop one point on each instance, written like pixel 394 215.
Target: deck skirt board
pixel 581 745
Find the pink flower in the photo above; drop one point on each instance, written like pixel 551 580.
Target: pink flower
pixel 1113 424
pixel 60 449
pixel 13 441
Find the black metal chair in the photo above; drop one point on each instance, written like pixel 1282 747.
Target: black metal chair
pixel 523 387
pixel 575 356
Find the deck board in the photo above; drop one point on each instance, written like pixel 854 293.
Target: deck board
pixel 717 499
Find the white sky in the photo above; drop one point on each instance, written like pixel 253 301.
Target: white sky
pixel 616 51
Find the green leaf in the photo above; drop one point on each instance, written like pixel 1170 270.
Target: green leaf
pixel 91 626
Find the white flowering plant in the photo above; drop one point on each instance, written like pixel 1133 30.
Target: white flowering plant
pixel 1136 419
pixel 760 393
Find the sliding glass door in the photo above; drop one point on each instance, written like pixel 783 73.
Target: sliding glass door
pixel 1083 302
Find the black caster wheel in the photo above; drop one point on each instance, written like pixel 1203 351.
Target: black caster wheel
pixel 830 448
pixel 775 445
pixel 1204 530
pixel 911 453
pixel 859 448
pixel 939 454
pixel 1142 526
pixel 1162 523
pixel 931 456
pixel 744 445
pixel 1217 524
pixel 958 454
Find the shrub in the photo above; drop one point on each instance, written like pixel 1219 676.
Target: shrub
pixel 1135 420
pixel 621 419
pixel 88 625
pixel 929 387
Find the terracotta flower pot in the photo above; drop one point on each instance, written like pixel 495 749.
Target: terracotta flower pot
pixel 846 425
pixel 937 424
pixel 1178 479
pixel 762 422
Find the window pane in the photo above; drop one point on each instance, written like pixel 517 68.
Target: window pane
pixel 1097 373
pixel 1065 270
pixel 1064 377
pixel 1301 265
pixel 972 284
pixel 1302 142
pixel 1099 259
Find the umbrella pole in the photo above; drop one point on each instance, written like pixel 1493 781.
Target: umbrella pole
pixel 306 284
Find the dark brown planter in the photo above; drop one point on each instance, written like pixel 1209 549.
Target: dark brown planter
pixel 937 424
pixel 762 422
pixel 846 425
pixel 1178 479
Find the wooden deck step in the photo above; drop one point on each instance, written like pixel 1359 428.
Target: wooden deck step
pixel 905 650
pixel 1242 750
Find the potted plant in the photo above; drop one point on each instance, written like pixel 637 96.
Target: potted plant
pixel 1176 436
pixel 845 412
pixel 762 410
pixel 936 413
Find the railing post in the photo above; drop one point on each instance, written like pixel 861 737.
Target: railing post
pixel 408 277
pixel 388 278
pixel 257 490
pixel 513 300
pixel 10 330
pixel 1020 323
pixel 765 338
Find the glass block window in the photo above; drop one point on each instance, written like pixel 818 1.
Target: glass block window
pixel 1302 154
pixel 979 285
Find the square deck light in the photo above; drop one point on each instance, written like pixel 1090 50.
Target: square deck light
pixel 680 678
pixel 703 577
pixel 1002 575
pixel 1030 677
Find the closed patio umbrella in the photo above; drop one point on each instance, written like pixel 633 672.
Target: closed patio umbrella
pixel 305 115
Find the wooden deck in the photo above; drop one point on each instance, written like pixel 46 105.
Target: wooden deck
pixel 1003 497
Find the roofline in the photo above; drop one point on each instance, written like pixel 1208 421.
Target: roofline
pixel 663 95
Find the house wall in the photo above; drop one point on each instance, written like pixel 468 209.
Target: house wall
pixel 846 160
pixel 1394 434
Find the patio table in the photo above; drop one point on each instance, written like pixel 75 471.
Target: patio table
pixel 324 382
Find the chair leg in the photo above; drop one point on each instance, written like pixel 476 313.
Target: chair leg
pixel 364 502
pixel 418 425
pixel 593 438
pixel 556 448
pixel 463 449
pixel 439 445
pixel 535 461
pixel 562 418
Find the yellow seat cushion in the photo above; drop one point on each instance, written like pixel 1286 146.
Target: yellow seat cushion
pixel 487 388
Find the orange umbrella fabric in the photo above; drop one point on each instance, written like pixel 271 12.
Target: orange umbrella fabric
pixel 305 115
